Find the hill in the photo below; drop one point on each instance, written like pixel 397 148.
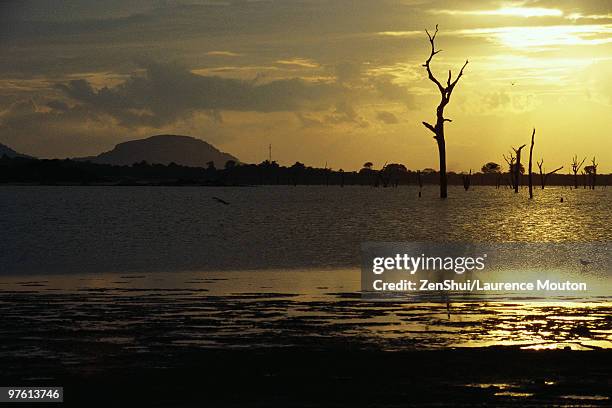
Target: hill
pixel 164 149
pixel 5 150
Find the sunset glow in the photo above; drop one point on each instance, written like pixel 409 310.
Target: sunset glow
pixel 346 86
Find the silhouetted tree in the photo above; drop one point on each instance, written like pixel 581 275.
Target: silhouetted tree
pixel 530 165
pixel 211 166
pixel 543 174
pixel 296 169
pixel 576 168
pixel 391 173
pixel 230 164
pixel 511 159
pixel 445 95
pixel 517 168
pixel 490 168
pixel 327 172
pixel 591 171
pixel 368 173
pixel 467 180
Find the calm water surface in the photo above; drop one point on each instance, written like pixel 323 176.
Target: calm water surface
pixel 144 269
pixel 102 229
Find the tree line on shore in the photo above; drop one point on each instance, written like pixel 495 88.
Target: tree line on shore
pixel 55 171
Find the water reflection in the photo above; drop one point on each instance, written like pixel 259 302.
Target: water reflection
pixel 274 308
pixel 100 229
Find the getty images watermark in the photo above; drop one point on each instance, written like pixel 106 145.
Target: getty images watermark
pixel 534 271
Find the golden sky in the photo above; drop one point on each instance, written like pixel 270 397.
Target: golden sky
pixel 338 82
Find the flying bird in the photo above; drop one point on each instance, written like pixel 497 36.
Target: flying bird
pixel 221 201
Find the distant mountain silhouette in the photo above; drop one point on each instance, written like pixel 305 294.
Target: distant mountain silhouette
pixel 5 150
pixel 164 149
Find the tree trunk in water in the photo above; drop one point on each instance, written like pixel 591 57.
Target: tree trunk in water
pixel 517 172
pixel 445 95
pixel 575 180
pixel 530 164
pixel 442 153
pixel 517 169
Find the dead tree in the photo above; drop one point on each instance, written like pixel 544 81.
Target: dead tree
pixel 543 174
pixel 510 160
pixel 594 176
pixel 530 168
pixel 445 95
pixel 591 170
pixel 327 172
pixel 576 168
pixel 517 168
pixel 420 182
pixel 467 180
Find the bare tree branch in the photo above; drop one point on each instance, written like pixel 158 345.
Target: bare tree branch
pixel 458 77
pixel 431 76
pixel 428 126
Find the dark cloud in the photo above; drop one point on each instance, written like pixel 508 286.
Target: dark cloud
pixel 347 72
pixel 387 117
pixel 56 132
pixel 391 91
pixel 166 93
pixel 344 112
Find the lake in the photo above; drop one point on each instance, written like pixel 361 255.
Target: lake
pixel 119 229
pixel 133 287
pixel 287 255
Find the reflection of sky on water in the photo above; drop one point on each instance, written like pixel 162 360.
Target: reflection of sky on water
pixel 102 229
pixel 278 308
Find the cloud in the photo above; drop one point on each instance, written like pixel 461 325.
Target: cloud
pixel 224 54
pixel 502 101
pixel 166 93
pixel 345 113
pixel 389 90
pixel 347 72
pixel 299 62
pixel 544 37
pixel 505 11
pixel 387 118
pixel 580 16
pixel 496 100
pixel 308 121
pixel 400 33
pixel 534 38
pixel 55 129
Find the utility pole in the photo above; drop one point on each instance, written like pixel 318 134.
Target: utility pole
pixel 270 152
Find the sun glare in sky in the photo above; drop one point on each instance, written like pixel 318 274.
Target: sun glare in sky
pixel 507 11
pixel 341 79
pixel 545 36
